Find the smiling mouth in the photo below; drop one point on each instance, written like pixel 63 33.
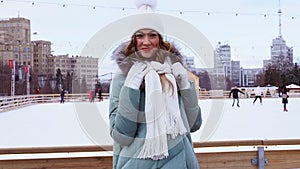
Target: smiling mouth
pixel 146 49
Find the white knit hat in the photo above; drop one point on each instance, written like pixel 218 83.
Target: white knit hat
pixel 147 19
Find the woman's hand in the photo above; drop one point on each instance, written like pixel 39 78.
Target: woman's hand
pixel 181 75
pixel 135 75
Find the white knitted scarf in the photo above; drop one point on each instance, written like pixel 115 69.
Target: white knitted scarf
pixel 161 111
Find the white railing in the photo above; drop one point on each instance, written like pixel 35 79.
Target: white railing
pixel 213 94
pixel 10 103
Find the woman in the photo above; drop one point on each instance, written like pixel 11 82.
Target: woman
pixel 285 97
pixel 62 96
pixel 153 107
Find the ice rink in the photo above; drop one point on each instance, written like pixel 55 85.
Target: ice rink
pixel 85 123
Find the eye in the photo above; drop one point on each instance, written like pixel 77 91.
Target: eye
pixel 139 36
pixel 153 35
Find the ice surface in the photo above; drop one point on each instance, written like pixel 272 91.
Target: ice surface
pixel 86 123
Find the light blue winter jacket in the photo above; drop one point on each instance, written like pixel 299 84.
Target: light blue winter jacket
pixel 128 128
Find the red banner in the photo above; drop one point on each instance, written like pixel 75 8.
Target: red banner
pixel 25 68
pixel 11 63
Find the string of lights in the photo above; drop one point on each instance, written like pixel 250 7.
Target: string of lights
pixel 181 12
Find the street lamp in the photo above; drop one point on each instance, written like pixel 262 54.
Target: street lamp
pixel 27 71
pixel 59 86
pixel 42 80
pixel 52 84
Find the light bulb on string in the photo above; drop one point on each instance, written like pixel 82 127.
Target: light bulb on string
pixel 153 4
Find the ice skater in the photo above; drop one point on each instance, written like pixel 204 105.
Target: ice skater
pixel 258 92
pixel 62 96
pixel 284 97
pixel 235 91
pixel 91 96
pixel 100 94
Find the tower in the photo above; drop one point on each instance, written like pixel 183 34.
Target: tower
pixel 281 54
pixel 279 21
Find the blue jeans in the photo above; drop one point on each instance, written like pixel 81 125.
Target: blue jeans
pixel 237 102
pixel 284 105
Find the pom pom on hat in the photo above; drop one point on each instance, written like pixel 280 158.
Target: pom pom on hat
pixel 146 4
pixel 147 19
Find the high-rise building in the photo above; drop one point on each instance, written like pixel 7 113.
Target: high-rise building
pixel 236 73
pixel 227 72
pixel 223 52
pixel 281 54
pixel 222 66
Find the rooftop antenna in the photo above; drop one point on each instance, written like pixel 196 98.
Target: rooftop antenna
pixel 279 15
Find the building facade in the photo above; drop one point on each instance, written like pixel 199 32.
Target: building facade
pixel 43 61
pixel 281 54
pixel 236 73
pixel 15 41
pixel 16 44
pixel 249 76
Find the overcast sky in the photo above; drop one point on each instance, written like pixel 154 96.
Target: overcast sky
pixel 248 26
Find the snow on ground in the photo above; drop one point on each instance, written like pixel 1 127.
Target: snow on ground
pixel 86 123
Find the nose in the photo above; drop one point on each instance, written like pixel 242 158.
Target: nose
pixel 146 40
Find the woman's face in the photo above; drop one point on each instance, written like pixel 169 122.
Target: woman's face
pixel 147 42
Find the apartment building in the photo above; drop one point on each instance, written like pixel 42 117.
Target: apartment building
pixel 16 44
pixel 15 41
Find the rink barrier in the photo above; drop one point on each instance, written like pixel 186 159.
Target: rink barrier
pixel 235 154
pixel 217 94
pixel 15 102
